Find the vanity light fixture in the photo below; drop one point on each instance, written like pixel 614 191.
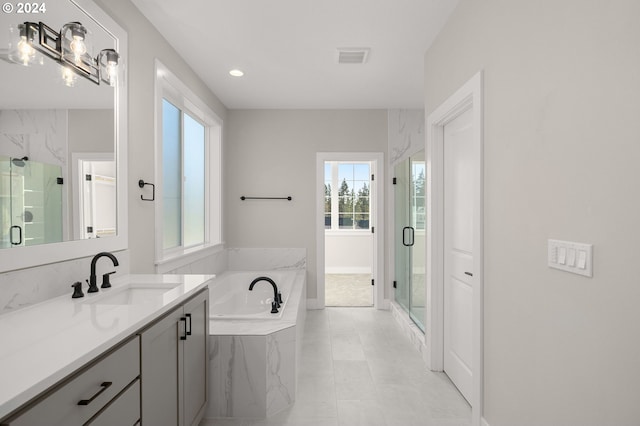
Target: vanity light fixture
pixel 69 47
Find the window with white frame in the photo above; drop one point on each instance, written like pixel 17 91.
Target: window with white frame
pixel 189 170
pixel 347 196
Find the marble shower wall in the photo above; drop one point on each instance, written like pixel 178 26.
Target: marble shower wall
pixel 406 133
pixel 40 135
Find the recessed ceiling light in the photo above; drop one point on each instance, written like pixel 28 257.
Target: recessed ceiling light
pixel 236 73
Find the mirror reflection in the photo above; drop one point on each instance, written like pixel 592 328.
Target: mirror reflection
pixel 57 138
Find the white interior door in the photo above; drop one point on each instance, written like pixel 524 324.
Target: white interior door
pixel 459 169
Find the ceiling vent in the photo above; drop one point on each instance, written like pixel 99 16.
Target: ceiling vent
pixel 353 55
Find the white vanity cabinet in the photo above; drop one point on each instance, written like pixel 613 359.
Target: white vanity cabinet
pixel 174 354
pixel 102 393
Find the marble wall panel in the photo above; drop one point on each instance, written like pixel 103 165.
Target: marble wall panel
pixel 33 285
pixel 258 259
pixel 40 135
pixel 406 133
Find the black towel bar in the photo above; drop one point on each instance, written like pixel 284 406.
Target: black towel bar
pixel 243 198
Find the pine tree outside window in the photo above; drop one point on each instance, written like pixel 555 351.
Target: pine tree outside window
pixel 348 206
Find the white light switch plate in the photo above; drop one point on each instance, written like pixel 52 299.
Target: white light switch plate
pixel 579 256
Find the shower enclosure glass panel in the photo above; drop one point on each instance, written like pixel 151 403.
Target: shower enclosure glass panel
pixel 33 211
pixel 418 258
pixel 402 252
pixel 410 259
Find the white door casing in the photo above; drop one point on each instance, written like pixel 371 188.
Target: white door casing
pixel 466 98
pixel 377 220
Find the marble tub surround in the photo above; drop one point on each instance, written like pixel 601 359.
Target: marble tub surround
pixel 25 287
pixel 256 259
pixel 246 259
pixel 212 264
pixel 45 342
pixel 253 366
pixel 240 384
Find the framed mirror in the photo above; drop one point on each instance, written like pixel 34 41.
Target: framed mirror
pixel 62 142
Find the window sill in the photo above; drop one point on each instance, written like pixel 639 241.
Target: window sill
pixel 344 232
pixel 184 257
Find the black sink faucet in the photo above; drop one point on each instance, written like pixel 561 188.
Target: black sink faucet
pixel 276 296
pixel 92 278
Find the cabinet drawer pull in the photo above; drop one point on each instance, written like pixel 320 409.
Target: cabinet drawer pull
pixel 189 329
pixel 184 336
pixel 104 387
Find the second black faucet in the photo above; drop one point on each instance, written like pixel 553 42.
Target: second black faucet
pixel 93 287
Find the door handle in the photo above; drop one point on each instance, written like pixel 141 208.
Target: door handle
pixel 404 236
pixel 469 273
pixel 19 235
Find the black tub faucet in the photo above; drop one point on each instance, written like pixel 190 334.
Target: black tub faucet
pixel 93 287
pixel 277 299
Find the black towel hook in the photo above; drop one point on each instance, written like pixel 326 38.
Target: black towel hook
pixel 142 184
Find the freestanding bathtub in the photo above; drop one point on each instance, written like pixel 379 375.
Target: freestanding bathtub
pixel 254 355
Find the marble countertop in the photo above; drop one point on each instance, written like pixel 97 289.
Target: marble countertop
pixel 45 342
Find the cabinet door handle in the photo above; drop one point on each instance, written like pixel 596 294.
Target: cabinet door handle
pixel 188 329
pixel 184 336
pixel 104 386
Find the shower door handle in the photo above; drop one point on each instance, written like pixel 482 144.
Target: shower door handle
pixel 19 235
pixel 404 236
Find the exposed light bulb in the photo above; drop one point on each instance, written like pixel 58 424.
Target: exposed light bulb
pixel 112 72
pixel 68 77
pixel 26 53
pixel 108 60
pixel 76 33
pixel 77 46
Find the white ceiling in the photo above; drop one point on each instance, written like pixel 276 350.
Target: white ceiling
pixel 288 49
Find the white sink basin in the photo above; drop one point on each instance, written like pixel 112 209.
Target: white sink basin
pixel 132 294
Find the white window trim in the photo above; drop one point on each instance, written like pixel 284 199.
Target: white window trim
pixel 168 86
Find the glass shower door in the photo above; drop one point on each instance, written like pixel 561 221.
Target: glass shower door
pixel 30 202
pixel 5 201
pixel 410 259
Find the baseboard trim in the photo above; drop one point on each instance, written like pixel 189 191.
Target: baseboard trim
pixel 312 304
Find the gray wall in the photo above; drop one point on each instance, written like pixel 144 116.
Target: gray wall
pixel 273 153
pixel 562 148
pixel 145 45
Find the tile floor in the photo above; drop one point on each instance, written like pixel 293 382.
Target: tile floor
pixel 348 290
pixel 357 369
